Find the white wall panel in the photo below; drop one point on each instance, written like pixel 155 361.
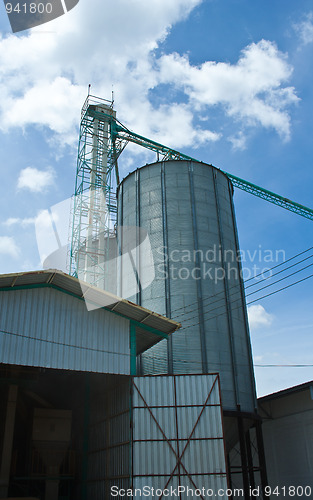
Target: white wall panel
pixel 51 329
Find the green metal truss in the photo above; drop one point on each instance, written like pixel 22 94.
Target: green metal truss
pixel 276 199
pixel 166 153
pixel 101 141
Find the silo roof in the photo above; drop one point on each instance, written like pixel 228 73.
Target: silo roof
pixel 150 326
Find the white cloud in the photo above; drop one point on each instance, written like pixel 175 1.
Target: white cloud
pixel 13 221
pixel 45 75
pixel 35 180
pixel 9 247
pixel 239 141
pixel 58 112
pixel 304 29
pixel 251 90
pixel 259 317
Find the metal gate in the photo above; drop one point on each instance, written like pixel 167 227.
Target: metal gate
pixel 177 436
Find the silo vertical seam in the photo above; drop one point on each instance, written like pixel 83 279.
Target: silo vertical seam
pixel 166 265
pixel 227 298
pixel 137 269
pixel 199 281
pixel 129 251
pixel 120 223
pixel 243 300
pixel 120 232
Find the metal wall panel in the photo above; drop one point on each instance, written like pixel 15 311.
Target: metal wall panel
pixel 288 439
pixel 109 438
pixel 47 328
pixel 178 416
pixel 187 207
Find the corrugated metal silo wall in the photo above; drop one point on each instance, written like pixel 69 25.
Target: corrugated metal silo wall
pixel 187 210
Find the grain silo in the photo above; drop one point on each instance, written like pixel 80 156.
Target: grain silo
pixel 187 210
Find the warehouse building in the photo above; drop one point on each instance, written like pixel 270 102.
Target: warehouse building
pixel 75 419
pixel 288 439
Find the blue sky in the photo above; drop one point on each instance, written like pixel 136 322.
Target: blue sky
pixel 225 81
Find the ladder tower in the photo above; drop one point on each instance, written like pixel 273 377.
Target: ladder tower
pixel 94 208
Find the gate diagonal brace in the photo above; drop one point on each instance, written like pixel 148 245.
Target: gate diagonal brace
pixel 188 441
pixel 179 458
pixel 168 442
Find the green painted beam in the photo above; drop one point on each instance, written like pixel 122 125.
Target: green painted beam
pixel 133 348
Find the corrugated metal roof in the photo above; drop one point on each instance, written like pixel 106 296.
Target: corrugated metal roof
pixel 92 294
